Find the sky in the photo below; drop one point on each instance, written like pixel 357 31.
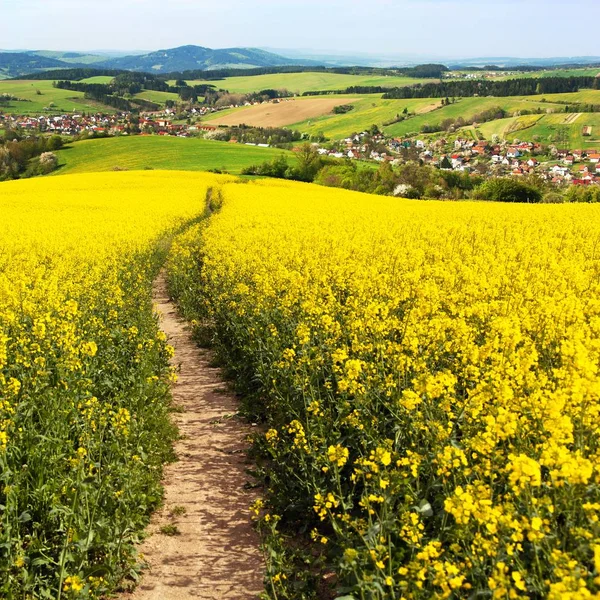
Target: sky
pixel 436 28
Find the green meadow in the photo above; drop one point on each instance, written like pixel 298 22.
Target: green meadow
pixel 158 152
pixel 561 129
pixel 36 97
pixel 306 82
pixel 369 110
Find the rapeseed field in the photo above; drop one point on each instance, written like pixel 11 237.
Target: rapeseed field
pixel 84 374
pixel 428 376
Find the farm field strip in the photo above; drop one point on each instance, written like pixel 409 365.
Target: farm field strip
pixel 428 374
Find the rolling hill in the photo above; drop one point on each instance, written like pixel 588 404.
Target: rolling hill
pixel 16 64
pixel 187 58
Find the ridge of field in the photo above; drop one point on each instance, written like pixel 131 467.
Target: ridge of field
pixel 65 101
pixel 468 107
pixel 376 110
pixel 307 82
pixel 160 152
pixel 368 110
pixel 373 109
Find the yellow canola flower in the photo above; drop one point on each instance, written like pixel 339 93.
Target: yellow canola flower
pixel 454 347
pixel 338 455
pixel 77 258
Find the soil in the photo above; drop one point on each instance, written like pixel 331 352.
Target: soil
pixel 287 112
pixel 201 544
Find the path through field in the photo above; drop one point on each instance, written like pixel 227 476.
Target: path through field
pixel 216 552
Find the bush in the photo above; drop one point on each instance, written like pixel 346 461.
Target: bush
pixel 504 189
pixel 342 109
pixel 553 198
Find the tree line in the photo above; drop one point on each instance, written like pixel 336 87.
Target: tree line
pixel 245 134
pixel 28 157
pixel 510 87
pixel 472 88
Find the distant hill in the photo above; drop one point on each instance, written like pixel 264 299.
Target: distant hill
pixel 79 58
pixel 188 58
pixel 16 64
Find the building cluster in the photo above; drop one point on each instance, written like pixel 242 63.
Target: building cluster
pixel 558 166
pixel 75 124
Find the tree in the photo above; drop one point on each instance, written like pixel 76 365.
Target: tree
pixel 445 164
pixel 308 163
pixel 48 162
pixel 55 142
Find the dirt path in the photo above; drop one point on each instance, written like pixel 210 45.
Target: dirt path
pixel 216 552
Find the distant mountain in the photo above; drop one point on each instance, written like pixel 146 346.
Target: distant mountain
pixel 16 64
pixel 79 58
pixel 188 58
pixel 511 61
pixel 383 60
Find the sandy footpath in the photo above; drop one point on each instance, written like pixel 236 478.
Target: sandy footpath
pixel 215 553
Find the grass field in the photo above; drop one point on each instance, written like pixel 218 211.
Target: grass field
pixel 589 72
pixel 369 110
pixel 467 108
pixel 158 152
pixel 98 79
pixel 560 129
pixel 307 82
pixel 65 101
pixel 512 126
pixel 158 97
pixel 374 110
pixel 583 96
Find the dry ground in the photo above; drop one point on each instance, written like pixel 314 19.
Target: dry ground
pixel 285 113
pixel 213 551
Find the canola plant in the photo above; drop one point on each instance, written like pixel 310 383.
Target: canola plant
pixel 84 374
pixel 429 376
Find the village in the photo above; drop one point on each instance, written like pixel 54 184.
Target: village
pixel 553 165
pixel 558 166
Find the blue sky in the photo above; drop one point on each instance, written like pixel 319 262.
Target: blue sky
pixel 443 28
